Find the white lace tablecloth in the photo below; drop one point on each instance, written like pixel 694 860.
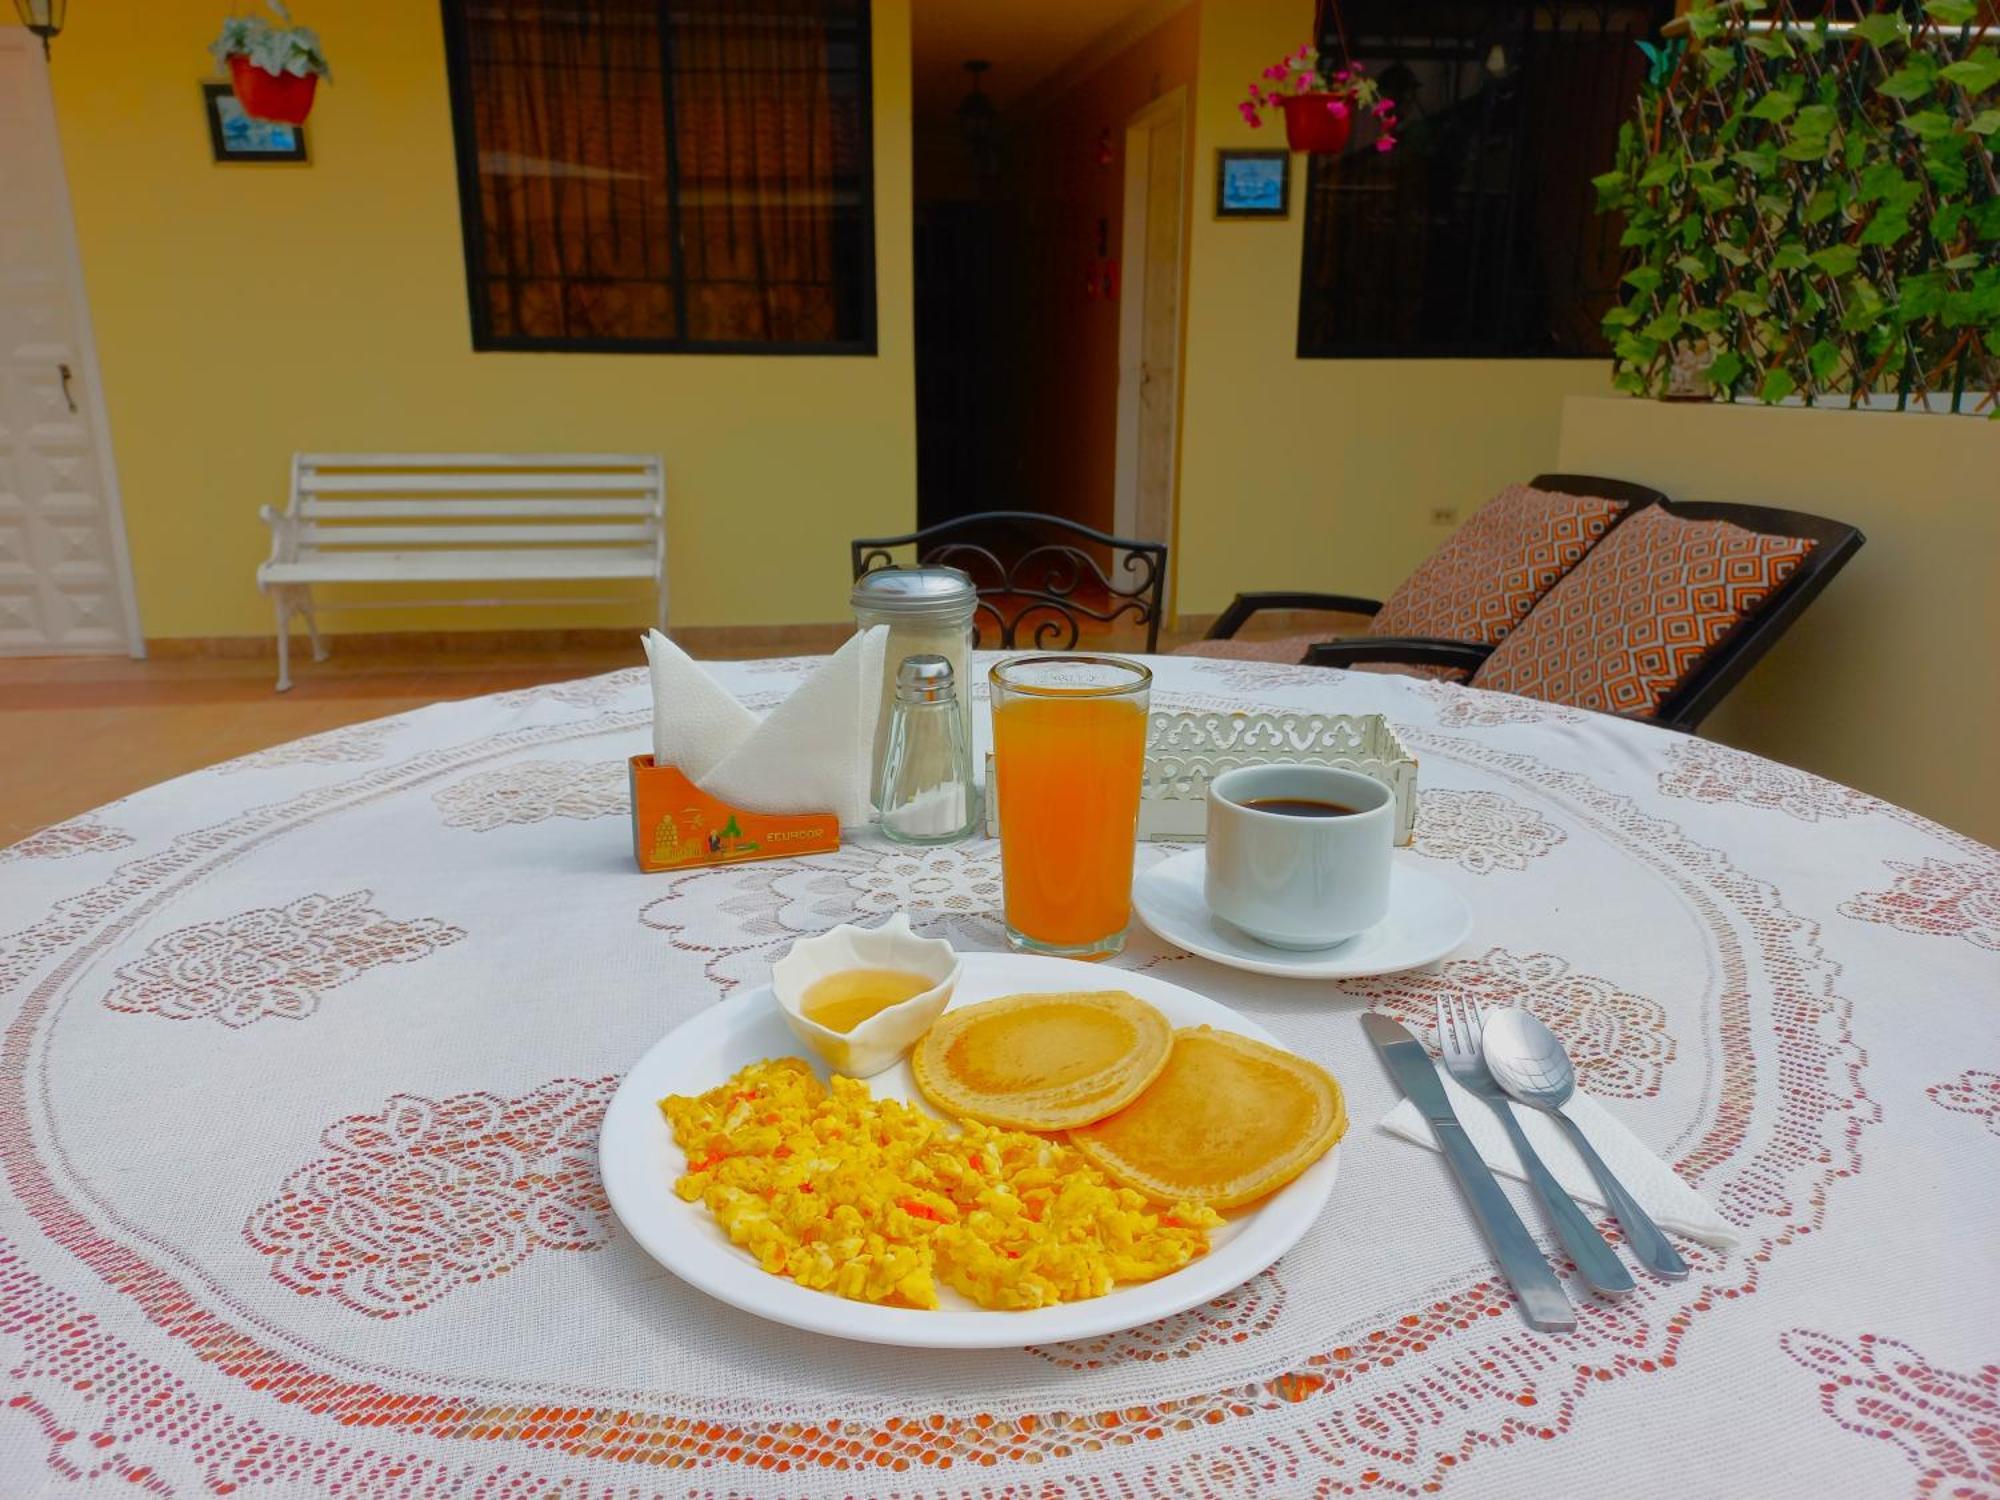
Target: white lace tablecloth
pixel 305 1057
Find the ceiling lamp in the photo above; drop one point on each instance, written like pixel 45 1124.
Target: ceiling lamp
pixel 43 17
pixel 979 122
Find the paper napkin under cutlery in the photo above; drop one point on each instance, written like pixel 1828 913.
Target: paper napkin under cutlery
pixel 1674 1205
pixel 814 752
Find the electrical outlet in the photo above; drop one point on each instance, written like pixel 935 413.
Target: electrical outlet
pixel 1444 515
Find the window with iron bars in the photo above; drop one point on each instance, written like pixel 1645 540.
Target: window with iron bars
pixel 1477 235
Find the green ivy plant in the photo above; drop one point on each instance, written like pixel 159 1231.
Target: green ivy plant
pixel 1812 209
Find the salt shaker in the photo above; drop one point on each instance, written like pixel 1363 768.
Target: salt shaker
pixel 929 612
pixel 926 792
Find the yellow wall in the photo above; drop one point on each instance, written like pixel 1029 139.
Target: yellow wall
pixel 1321 473
pixel 243 312
pixel 1891 680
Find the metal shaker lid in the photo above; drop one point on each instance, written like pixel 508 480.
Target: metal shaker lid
pixel 914 591
pixel 924 679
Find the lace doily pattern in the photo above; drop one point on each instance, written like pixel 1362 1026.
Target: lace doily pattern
pixel 1945 1422
pixel 427 1196
pixel 533 792
pixel 89 834
pixel 1937 898
pixel 273 961
pixel 1618 1041
pixel 1481 832
pixel 413 1285
pixel 1703 771
pixel 1974 1092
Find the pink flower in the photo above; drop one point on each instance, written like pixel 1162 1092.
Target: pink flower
pixel 1385 143
pixel 1305 51
pixel 1276 70
pixel 1384 108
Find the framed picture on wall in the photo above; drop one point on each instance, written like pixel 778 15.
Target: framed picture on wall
pixel 234 136
pixel 1253 184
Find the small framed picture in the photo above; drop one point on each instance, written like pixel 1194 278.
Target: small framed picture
pixel 1253 184
pixel 234 136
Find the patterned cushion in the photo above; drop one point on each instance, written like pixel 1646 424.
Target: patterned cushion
pixel 1479 585
pixel 1637 615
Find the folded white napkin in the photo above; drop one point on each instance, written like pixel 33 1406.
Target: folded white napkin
pixel 1674 1205
pixel 812 753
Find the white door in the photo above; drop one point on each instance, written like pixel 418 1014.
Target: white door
pixel 1150 318
pixel 65 582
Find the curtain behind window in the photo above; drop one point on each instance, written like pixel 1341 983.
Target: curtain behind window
pixel 692 172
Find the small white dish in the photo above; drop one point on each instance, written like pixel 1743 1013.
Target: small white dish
pixel 638 1161
pixel 878 1042
pixel 1427 919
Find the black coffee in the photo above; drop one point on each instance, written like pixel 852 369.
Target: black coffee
pixel 1302 807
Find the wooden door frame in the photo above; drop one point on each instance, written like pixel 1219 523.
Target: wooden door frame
pixel 1132 308
pixel 42 98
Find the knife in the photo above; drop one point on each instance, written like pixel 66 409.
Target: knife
pixel 1541 1294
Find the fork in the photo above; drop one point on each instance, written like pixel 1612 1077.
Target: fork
pixel 1459 1025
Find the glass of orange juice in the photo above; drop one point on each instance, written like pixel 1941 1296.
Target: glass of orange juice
pixel 1069 753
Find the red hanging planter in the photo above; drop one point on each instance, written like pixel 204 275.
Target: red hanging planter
pixel 1319 123
pixel 284 98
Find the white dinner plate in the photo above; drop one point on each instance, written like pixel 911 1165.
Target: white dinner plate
pixel 1427 919
pixel 639 1162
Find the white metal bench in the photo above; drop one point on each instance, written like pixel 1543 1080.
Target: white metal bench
pixel 458 518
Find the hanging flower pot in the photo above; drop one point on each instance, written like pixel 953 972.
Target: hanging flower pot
pixel 1320 103
pixel 1319 123
pixel 274 68
pixel 286 98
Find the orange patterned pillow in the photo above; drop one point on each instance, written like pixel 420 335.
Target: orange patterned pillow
pixel 1479 585
pixel 1637 615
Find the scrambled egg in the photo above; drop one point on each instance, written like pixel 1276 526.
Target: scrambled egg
pixel 875 1200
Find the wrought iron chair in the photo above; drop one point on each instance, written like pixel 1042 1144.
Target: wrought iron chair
pixel 1708 679
pixel 1036 571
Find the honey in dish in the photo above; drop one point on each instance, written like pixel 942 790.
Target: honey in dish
pixel 841 1002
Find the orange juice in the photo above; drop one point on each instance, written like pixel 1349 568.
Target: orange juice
pixel 1068 765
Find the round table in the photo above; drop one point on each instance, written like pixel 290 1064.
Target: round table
pixel 306 1055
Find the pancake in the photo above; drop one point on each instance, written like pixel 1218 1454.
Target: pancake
pixel 1042 1062
pixel 1227 1121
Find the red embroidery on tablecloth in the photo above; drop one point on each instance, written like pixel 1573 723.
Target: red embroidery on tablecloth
pixel 271 961
pixel 1481 831
pixel 1233 1318
pixel 1703 771
pixel 1947 1422
pixel 431 1195
pixel 85 835
pixel 1974 1092
pixel 350 743
pixel 534 791
pixel 1619 1041
pixel 1938 898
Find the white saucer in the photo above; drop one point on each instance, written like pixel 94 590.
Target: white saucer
pixel 1427 919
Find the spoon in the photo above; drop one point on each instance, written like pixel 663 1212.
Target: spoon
pixel 1529 1062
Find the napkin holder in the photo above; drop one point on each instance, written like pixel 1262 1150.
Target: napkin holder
pixel 678 826
pixel 1185 751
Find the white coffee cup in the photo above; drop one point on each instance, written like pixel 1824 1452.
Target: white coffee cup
pixel 1299 881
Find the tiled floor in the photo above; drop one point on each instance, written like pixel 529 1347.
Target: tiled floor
pixel 77 732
